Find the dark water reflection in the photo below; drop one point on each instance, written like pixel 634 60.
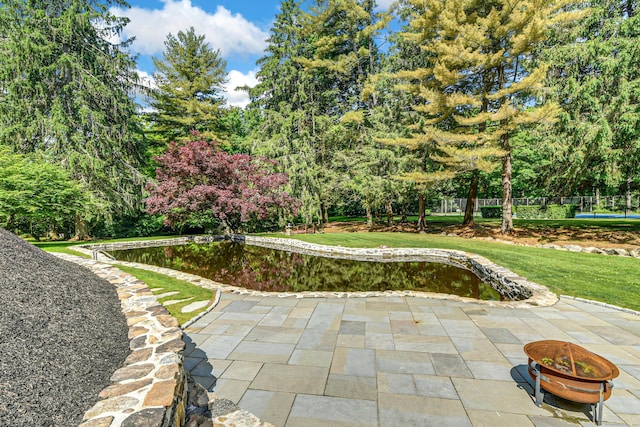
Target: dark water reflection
pixel 264 269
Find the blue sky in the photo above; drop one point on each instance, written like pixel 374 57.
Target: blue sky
pixel 238 28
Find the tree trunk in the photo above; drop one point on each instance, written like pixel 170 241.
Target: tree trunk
pixel 471 198
pixel 367 208
pixel 324 213
pixel 82 231
pixel 422 205
pixel 403 213
pixel 227 228
pixel 389 209
pixel 629 207
pixel 507 219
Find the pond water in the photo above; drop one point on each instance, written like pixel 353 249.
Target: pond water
pixel 263 269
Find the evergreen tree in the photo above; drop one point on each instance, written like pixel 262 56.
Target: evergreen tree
pixel 345 51
pixel 477 87
pixel 345 54
pixel 595 76
pixel 286 98
pixel 66 92
pixel 190 78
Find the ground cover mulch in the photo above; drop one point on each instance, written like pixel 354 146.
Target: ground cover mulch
pixel 531 235
pixel 62 335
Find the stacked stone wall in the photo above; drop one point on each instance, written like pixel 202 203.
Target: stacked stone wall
pixel 150 389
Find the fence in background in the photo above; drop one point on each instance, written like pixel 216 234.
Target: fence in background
pixel 584 204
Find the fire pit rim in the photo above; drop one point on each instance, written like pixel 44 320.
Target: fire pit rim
pixel 605 362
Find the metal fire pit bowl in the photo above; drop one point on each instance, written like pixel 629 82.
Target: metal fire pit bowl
pixel 571 372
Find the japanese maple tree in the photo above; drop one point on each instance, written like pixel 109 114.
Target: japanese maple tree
pixel 199 184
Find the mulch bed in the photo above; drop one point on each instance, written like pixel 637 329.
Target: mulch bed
pixel 62 335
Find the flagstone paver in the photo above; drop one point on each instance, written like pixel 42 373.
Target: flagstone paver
pixel 194 306
pixel 403 361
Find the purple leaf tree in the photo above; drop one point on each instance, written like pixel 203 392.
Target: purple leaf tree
pixel 199 183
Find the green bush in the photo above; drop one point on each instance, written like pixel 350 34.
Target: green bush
pixel 491 211
pixel 560 211
pixel 141 225
pixel 528 211
pixel 545 212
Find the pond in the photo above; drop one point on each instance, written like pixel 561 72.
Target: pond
pixel 264 269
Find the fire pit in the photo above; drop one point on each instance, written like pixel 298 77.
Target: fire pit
pixel 571 372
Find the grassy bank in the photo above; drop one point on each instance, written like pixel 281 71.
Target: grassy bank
pixel 161 284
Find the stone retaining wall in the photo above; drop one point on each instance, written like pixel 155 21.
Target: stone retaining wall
pixel 151 388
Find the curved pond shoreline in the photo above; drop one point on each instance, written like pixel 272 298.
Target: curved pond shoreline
pixel 519 291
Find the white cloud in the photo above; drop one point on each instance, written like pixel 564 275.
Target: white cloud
pixel 146 79
pixel 237 78
pixel 223 30
pixel 384 4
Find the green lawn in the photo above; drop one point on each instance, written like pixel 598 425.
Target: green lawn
pixel 603 224
pixel 160 284
pixel 610 279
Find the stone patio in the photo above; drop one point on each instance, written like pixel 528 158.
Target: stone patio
pixel 403 361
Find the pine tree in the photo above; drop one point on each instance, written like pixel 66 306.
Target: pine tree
pixel 66 92
pixel 190 78
pixel 345 55
pixel 286 98
pixel 477 87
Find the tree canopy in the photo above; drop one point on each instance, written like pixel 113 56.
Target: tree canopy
pixel 190 78
pixel 476 87
pixel 201 185
pixel 594 75
pixel 37 197
pixel 65 91
pixel 481 98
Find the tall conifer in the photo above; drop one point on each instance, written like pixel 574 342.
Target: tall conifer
pixel 66 90
pixel 477 86
pixel 190 78
pixel 286 98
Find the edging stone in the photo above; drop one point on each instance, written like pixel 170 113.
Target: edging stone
pixel 150 389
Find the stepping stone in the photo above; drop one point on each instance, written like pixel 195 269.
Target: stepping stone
pixel 175 301
pixel 194 306
pixel 167 294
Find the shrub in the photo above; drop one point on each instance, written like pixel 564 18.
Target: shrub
pixel 560 211
pixel 545 212
pixel 528 211
pixel 491 211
